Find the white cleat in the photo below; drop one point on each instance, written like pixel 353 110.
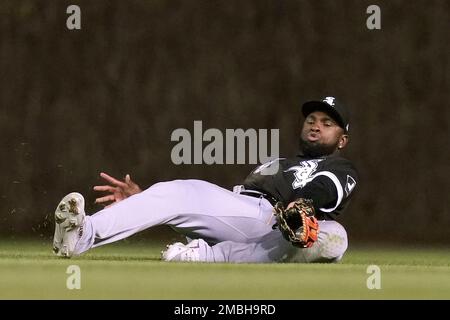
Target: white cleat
pixel 69 219
pixel 182 252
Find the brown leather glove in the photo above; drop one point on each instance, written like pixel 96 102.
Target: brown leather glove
pixel 298 224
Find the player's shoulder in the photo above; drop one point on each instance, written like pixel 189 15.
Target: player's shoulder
pixel 337 162
pixel 323 161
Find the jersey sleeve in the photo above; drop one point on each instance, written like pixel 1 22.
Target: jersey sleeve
pixel 330 186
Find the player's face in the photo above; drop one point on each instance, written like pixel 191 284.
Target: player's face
pixel 321 135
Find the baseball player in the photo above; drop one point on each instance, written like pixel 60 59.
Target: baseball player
pixel 287 215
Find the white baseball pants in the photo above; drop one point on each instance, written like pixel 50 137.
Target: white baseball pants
pixel 233 227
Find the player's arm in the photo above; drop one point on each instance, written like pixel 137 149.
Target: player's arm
pixel 322 191
pixel 118 190
pixel 329 188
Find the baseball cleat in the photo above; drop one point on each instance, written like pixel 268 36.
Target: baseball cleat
pixel 69 218
pixel 182 252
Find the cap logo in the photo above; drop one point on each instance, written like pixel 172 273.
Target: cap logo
pixel 329 100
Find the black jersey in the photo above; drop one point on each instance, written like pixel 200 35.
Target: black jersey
pixel 328 181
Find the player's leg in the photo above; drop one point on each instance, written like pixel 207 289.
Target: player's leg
pixel 330 247
pixel 192 207
pixel 270 248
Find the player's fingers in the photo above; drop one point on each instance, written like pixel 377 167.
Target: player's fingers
pixel 130 182
pixel 105 188
pixel 112 180
pixel 105 199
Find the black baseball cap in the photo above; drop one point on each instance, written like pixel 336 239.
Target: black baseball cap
pixel 332 107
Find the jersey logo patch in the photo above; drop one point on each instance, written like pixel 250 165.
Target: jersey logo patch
pixel 349 185
pixel 303 172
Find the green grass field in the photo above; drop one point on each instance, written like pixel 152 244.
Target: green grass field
pixel 132 270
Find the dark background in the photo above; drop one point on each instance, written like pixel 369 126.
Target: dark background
pixel 107 98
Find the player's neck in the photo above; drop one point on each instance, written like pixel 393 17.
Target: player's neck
pixel 303 154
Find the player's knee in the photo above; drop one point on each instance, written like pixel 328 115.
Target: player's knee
pixel 333 242
pixel 332 252
pixel 330 246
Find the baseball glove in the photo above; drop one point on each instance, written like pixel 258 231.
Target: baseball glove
pixel 298 224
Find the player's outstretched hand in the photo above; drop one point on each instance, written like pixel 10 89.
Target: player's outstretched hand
pixel 118 190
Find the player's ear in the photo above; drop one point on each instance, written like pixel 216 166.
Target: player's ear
pixel 343 140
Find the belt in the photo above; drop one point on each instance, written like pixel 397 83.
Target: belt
pixel 255 194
